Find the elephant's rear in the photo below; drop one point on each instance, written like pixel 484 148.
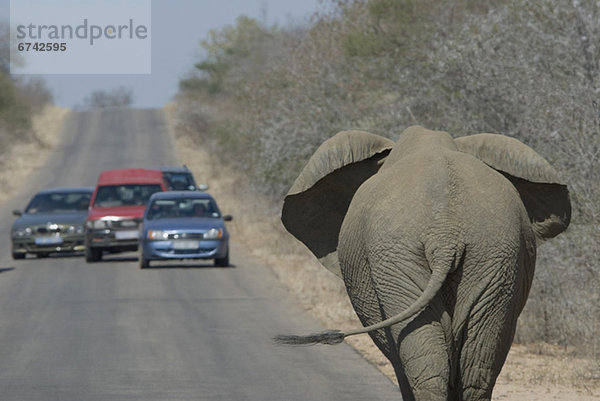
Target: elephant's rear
pixel 440 207
pixel 428 207
pixel 434 238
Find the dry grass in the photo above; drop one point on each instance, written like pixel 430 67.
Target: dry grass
pixel 547 372
pixel 538 372
pixel 24 158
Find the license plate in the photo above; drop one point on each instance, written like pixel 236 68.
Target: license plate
pixel 48 241
pixel 133 234
pixel 185 244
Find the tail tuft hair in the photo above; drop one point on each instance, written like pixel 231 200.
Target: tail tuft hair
pixel 327 337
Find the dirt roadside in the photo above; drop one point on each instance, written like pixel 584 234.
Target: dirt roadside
pixel 535 373
pixel 24 158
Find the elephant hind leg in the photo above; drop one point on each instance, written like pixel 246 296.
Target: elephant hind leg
pixel 488 338
pixel 425 361
pixel 481 362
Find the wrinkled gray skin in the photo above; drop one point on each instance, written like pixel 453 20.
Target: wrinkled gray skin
pixel 435 240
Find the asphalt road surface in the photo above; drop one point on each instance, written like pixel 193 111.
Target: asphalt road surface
pixel 108 331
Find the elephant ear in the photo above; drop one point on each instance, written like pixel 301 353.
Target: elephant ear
pixel 544 195
pixel 315 206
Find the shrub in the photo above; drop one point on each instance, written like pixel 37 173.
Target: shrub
pixel 514 67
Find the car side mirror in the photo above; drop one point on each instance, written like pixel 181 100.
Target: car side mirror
pixel 17 212
pixel 228 217
pixel 202 187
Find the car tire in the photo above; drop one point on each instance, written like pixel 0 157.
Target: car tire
pixel 92 254
pixel 224 261
pixel 18 255
pixel 143 261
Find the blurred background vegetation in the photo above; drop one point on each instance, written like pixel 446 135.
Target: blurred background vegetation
pixel 116 98
pixel 264 97
pixel 20 99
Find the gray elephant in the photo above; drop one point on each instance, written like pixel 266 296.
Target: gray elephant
pixel 435 239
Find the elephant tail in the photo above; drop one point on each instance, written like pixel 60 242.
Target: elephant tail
pixel 331 337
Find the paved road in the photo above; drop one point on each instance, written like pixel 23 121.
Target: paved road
pixel 109 331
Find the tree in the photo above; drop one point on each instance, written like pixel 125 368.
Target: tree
pixel 241 47
pixel 116 98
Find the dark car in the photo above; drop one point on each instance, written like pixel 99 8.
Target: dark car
pixel 183 225
pixel 181 179
pixel 53 222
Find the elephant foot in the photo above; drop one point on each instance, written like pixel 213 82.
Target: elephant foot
pixel 477 394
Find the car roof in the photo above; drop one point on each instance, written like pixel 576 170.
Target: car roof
pixel 66 190
pixel 181 194
pixel 174 169
pixel 130 176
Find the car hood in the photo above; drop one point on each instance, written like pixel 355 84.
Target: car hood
pixel 73 218
pixel 128 212
pixel 187 223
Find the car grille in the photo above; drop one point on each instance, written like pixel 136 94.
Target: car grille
pixel 125 224
pixel 50 229
pixel 186 251
pixel 186 236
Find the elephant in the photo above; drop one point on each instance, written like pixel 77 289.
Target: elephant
pixel 435 239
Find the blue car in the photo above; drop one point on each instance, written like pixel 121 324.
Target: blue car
pixel 183 225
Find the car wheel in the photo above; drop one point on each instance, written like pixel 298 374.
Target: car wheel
pixel 92 254
pixel 18 255
pixel 224 261
pixel 143 260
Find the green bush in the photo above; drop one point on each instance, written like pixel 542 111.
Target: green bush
pixel 15 115
pixel 19 98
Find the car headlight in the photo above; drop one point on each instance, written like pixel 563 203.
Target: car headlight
pixel 157 235
pixel 213 233
pixel 22 232
pixel 77 229
pixel 97 224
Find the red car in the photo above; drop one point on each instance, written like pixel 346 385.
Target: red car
pixel 116 210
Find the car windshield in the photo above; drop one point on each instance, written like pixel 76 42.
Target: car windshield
pixel 180 181
pixel 59 202
pixel 124 195
pixel 183 207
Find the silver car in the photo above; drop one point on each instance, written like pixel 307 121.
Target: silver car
pixel 183 225
pixel 53 222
